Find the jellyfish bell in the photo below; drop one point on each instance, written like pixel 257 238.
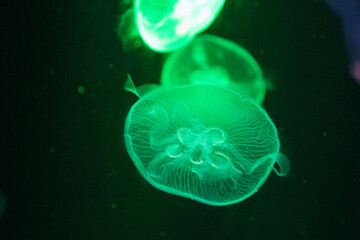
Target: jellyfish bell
pixel 212 60
pixel 203 142
pixel 166 25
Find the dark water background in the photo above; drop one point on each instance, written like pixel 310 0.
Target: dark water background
pixel 66 173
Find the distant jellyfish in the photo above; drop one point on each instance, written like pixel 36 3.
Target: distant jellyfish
pixel 166 25
pixel 349 13
pixel 203 142
pixel 212 60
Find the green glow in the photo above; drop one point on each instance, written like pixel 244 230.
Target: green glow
pixel 212 60
pixel 216 155
pixel 81 90
pixel 139 91
pixel 127 31
pixel 166 25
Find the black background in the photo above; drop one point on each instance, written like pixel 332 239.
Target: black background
pixel 65 172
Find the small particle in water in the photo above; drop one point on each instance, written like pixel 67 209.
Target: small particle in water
pixel 304 181
pixel 52 150
pixel 51 71
pixel 252 219
pixel 162 234
pixel 113 205
pixel 81 89
pixel 325 133
pixel 113 173
pixel 111 66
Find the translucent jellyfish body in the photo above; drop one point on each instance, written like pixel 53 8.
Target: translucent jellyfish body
pixel 206 143
pixel 166 25
pixel 212 60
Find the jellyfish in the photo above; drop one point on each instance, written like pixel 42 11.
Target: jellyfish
pixel 213 60
pixel 202 142
pixel 349 13
pixel 166 25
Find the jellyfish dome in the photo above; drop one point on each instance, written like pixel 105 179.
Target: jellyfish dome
pixel 203 142
pixel 212 60
pixel 166 25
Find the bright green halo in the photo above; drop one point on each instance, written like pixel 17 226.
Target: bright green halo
pixel 166 25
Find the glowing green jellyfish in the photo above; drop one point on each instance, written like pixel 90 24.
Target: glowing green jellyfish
pixel 166 25
pixel 202 142
pixel 212 60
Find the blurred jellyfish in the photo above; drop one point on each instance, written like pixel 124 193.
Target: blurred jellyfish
pixel 349 13
pixel 202 142
pixel 212 60
pixel 166 25
pixel 127 31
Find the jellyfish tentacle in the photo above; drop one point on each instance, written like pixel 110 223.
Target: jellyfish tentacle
pixel 284 164
pixel 130 86
pixel 140 91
